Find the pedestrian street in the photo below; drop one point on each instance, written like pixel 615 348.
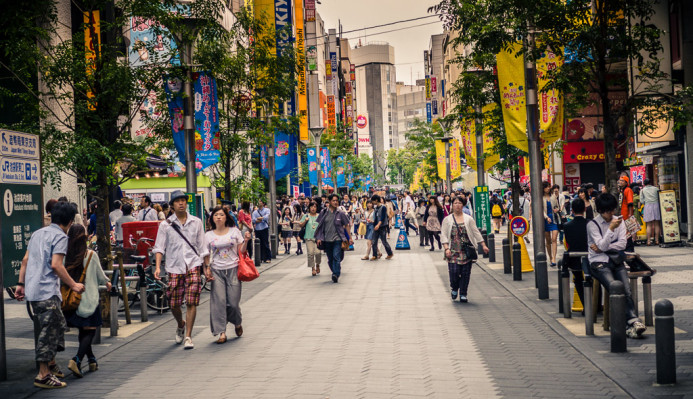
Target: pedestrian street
pixel 388 329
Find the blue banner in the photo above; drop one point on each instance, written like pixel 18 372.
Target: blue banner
pixel 350 176
pixel 284 163
pixel 174 95
pixel 312 166
pixel 367 184
pixel 435 107
pixel 326 168
pixel 339 171
pixel 206 121
pixel 428 113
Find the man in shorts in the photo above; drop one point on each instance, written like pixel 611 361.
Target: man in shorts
pixel 181 238
pixel 39 283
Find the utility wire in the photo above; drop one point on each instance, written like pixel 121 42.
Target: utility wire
pixel 393 30
pixel 377 26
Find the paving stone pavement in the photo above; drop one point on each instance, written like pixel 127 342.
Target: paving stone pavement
pixel 387 329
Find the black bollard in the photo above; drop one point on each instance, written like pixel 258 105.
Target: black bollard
pixel 491 248
pixel 517 262
pixel 588 306
pixel 617 316
pixel 274 244
pixel 665 342
pixel 647 299
pixel 542 276
pixel 485 237
pixel 256 252
pixel 506 256
pixel 563 286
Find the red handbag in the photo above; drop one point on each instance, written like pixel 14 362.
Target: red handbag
pixel 246 268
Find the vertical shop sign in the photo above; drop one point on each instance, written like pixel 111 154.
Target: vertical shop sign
pixel 670 216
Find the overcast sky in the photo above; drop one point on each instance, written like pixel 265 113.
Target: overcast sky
pixel 409 44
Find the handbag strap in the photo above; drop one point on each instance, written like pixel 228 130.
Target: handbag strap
pixel 84 271
pixel 177 229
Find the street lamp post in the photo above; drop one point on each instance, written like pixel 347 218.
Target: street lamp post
pixel 317 134
pixel 445 124
pixel 480 168
pixel 271 172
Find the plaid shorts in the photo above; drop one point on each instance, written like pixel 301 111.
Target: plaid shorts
pixel 185 286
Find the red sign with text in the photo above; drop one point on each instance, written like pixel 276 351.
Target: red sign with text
pixel 587 151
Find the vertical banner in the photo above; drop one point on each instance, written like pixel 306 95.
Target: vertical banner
pixel 206 121
pixel 326 168
pixel 92 41
pixel 339 171
pixel 310 10
pixel 434 106
pixel 511 82
pixel 440 159
pixel 301 77
pixel 468 134
pixel 368 183
pixel 434 85
pixel 428 88
pixel 482 213
pixel 284 163
pixel 312 166
pixel 350 176
pixel 455 165
pixel 429 116
pixel 141 52
pixel 551 102
pixel 174 95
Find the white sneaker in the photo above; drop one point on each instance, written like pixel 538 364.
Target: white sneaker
pixel 180 333
pixel 188 343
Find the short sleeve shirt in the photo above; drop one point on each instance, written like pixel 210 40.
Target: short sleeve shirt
pixel 625 198
pixel 41 282
pixel 311 226
pixel 224 248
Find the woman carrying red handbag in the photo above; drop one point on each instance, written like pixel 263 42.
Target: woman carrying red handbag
pixel 226 247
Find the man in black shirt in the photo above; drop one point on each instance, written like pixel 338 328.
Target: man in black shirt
pixel 576 241
pixel 380 229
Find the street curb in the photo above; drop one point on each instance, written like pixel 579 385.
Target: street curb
pixel 581 347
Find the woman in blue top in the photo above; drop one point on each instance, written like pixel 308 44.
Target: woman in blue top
pixel 310 222
pixel 550 225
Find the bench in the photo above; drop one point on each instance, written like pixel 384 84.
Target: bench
pixel 637 268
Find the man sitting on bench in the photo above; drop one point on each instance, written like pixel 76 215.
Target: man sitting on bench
pixel 606 237
pixel 576 241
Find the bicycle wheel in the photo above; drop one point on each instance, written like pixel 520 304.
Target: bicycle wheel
pixel 156 296
pixel 132 298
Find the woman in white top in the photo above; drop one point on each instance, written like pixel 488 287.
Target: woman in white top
pixel 225 243
pixel 459 230
pixel 649 196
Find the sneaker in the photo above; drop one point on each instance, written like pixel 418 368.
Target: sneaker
pixel 75 367
pixel 93 366
pixel 335 278
pixel 55 370
pixel 180 333
pixel 630 332
pixel 188 343
pixel 453 294
pixel 463 298
pixel 389 257
pixel 638 328
pixel 49 382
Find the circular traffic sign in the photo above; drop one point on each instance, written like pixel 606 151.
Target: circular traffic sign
pixel 519 226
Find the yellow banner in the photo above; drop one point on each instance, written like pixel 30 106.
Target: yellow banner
pixel 92 44
pixel 440 159
pixel 263 10
pixel 550 102
pixel 468 133
pixel 455 164
pixel 511 82
pixel 301 66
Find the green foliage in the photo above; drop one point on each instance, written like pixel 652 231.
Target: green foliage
pixel 421 139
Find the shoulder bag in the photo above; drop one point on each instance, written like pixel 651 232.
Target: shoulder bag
pixel 246 268
pixel 71 299
pixel 177 229
pixel 469 250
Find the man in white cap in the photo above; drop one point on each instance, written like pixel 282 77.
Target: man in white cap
pixel 182 238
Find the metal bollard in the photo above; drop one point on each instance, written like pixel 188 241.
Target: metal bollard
pixel 97 337
pixel 617 315
pixel 484 235
pixel 634 294
pixel 144 316
pixel 542 273
pixel 564 294
pixel 114 312
pixel 491 248
pixel 559 274
pixel 517 262
pixel 507 267
pixel 665 342
pixel 256 252
pixel 647 299
pixel 589 309
pixel 273 245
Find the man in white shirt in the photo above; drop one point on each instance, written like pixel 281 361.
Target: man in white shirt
pixel 147 213
pixel 182 238
pixel 606 238
pixel 409 213
pixel 116 213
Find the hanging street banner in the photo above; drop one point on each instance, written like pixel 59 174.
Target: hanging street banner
pixel 455 167
pixel 482 213
pixel 284 163
pixel 551 102
pixel 350 176
pixel 174 95
pixel 141 51
pixel 206 121
pixel 339 171
pixel 301 75
pixel 468 133
pixel 511 82
pixel 327 181
pixel 312 166
pixel 429 117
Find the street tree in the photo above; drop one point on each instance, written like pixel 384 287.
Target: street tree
pixel 600 37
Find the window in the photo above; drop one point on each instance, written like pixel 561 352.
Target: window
pixel 389 116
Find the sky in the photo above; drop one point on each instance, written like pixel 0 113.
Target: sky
pixel 409 44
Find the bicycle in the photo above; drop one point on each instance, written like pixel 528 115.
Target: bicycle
pixel 156 296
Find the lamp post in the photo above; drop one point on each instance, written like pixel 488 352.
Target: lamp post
pixel 317 131
pixel 271 172
pixel 185 41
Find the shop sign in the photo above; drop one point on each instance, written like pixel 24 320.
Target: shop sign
pixel 632 161
pixel 647 159
pixel 586 151
pixel 482 205
pixel 361 122
pixel 670 216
